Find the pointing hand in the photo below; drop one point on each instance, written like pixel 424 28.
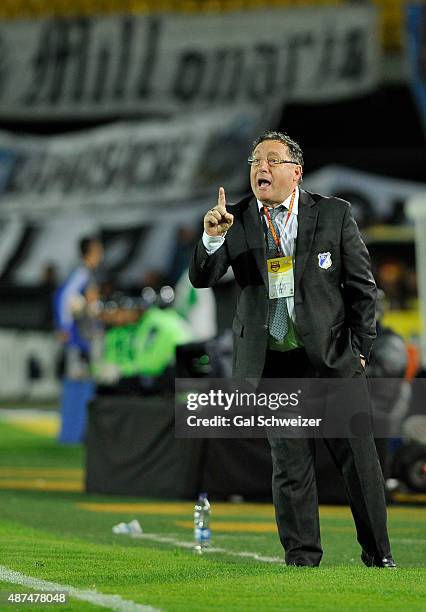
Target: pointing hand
pixel 218 221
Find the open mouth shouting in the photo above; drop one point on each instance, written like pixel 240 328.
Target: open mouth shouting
pixel 263 183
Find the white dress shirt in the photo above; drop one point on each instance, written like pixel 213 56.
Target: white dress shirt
pixel 288 235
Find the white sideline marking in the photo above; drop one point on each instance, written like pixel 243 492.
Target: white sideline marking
pixel 408 541
pixel 251 555
pixel 113 602
pixel 211 549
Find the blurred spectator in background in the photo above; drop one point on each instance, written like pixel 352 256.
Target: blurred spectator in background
pixel 390 278
pixel 75 308
pixel 138 352
pixel 74 302
pixel 390 396
pixel 398 280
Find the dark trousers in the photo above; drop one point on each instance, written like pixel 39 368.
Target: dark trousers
pixel 294 487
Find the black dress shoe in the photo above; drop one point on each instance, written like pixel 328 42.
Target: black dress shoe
pixel 373 561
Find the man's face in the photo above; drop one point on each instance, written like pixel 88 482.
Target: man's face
pixel 272 184
pixel 95 254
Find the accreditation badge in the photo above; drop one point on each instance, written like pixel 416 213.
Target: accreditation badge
pixel 280 277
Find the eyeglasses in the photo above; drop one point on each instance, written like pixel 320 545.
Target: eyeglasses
pixel 271 160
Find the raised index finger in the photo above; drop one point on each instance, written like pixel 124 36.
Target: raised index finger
pixel 221 201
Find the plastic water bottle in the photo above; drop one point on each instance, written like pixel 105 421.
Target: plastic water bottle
pixel 202 531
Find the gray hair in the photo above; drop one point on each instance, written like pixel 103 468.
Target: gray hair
pixel 294 150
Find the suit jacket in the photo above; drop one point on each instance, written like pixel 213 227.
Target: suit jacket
pixel 334 306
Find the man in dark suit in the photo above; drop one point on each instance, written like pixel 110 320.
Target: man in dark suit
pixel 319 321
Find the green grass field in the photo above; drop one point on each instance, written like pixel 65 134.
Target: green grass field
pixel 50 530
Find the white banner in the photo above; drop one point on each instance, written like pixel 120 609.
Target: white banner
pixel 143 238
pixel 128 165
pixel 374 198
pixel 104 67
pixel 19 351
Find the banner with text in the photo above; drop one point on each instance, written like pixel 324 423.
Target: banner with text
pixel 120 66
pixel 128 165
pixel 140 231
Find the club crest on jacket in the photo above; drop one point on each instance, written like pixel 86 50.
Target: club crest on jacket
pixel 324 260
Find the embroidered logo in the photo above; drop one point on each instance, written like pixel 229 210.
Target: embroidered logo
pixel 324 260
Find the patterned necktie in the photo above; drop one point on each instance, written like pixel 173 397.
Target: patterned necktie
pixel 278 313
